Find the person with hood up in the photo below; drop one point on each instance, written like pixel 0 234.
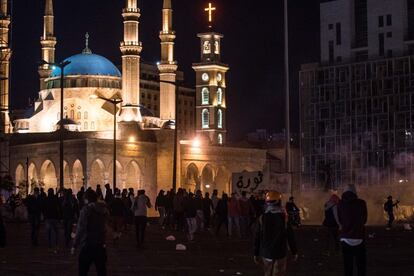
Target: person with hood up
pixel 353 215
pixel 273 237
pixel 91 235
pixel 331 223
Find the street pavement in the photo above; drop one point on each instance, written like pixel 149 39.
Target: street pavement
pixel 389 253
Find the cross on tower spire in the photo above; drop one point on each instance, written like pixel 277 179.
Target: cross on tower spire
pixel 210 11
pixel 87 50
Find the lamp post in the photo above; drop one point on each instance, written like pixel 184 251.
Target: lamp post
pixel 114 102
pixel 176 85
pixel 287 97
pixel 61 66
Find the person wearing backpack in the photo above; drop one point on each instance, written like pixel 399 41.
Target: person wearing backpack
pixel 273 236
pixel 331 224
pixel 91 235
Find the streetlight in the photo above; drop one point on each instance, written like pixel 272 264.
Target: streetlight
pixel 287 97
pixel 114 102
pixel 61 66
pixel 176 85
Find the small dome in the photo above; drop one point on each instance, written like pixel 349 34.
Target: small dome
pixel 88 64
pixel 68 124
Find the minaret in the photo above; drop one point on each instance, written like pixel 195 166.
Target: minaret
pixel 167 65
pixel 4 68
pixel 48 42
pixel 131 49
pixel 211 86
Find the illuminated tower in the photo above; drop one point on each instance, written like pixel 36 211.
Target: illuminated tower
pixel 48 42
pixel 211 86
pixel 4 68
pixel 167 65
pixel 131 49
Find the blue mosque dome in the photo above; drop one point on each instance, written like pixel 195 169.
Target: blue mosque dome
pixel 87 63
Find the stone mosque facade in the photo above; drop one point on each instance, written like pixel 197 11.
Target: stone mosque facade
pixel 146 119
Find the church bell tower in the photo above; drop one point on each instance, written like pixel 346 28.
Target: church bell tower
pixel 5 55
pixel 211 86
pixel 48 43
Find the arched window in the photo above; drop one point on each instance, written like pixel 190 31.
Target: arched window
pixel 205 96
pixel 93 125
pixel 79 115
pixel 85 115
pixel 205 120
pixel 220 139
pixel 72 114
pixel 85 126
pixel 220 118
pixel 219 96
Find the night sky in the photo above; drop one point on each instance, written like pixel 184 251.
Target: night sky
pixel 252 46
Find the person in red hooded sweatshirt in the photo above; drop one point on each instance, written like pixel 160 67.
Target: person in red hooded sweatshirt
pixel 353 215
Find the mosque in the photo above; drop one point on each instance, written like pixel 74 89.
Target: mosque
pixel 143 104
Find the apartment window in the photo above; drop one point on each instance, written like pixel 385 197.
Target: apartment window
pixel 389 34
pixel 389 53
pixel 361 23
pixel 389 20
pixel 381 44
pixel 410 13
pixel 380 21
pixel 330 26
pixel 331 51
pixel 338 59
pixel 338 34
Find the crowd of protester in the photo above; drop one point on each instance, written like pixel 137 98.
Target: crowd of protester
pixel 84 218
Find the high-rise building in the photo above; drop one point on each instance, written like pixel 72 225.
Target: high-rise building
pixel 357 103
